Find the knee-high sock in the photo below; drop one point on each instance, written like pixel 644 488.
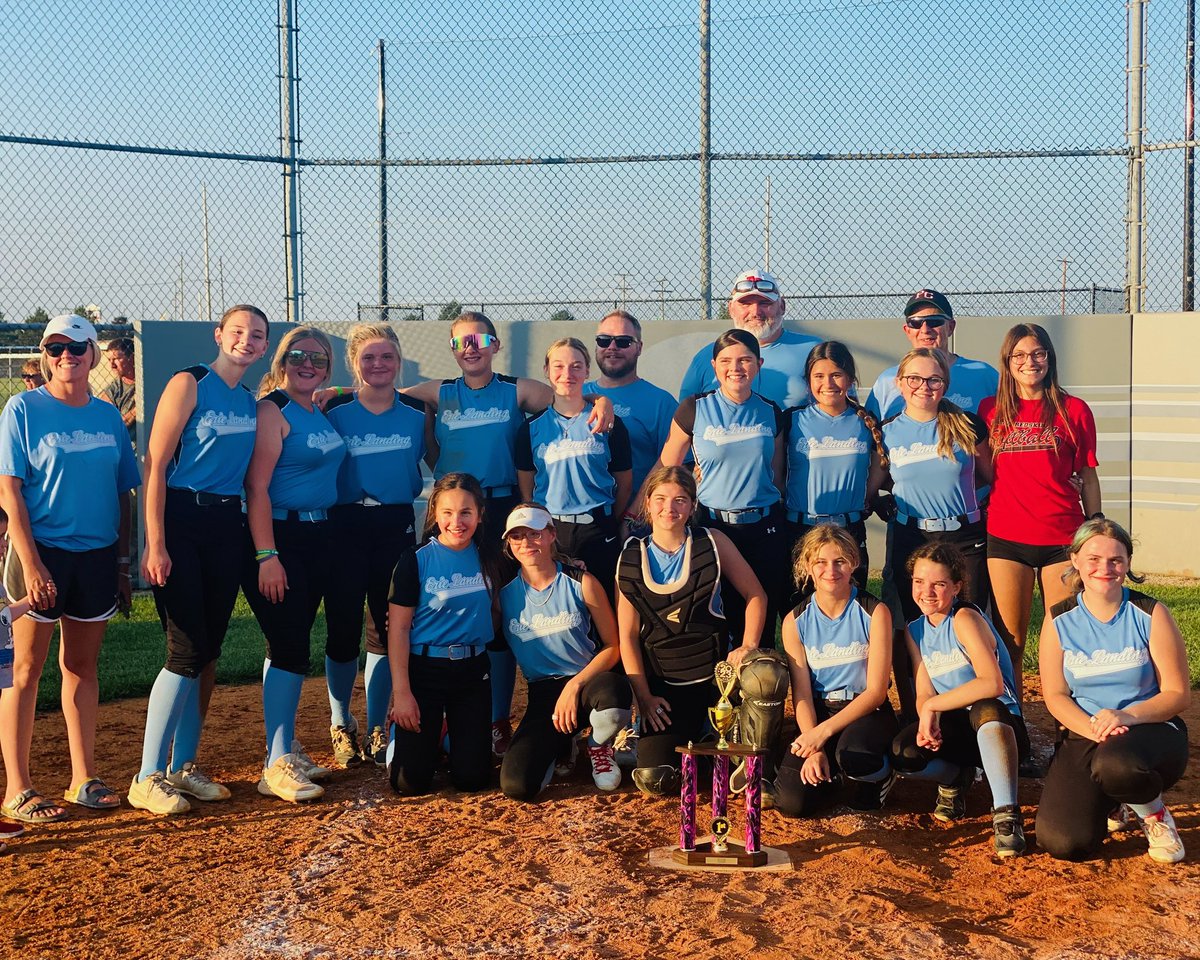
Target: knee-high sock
pixel 1144 810
pixel 167 697
pixel 377 678
pixel 339 678
pixel 998 751
pixel 187 730
pixel 281 699
pixel 504 681
pixel 606 724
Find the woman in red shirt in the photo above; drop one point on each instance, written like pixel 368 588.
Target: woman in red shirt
pixel 1044 455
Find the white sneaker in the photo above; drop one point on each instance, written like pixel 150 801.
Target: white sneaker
pixel 311 768
pixel 285 779
pixel 1163 837
pixel 195 783
pixel 605 771
pixel 158 796
pixel 1120 819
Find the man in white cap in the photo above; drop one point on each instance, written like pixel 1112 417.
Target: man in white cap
pixel 756 305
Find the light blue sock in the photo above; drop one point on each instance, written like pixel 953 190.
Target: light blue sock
pixel 1144 810
pixel 281 700
pixel 167 697
pixel 378 680
pixel 339 679
pixel 606 724
pixel 187 730
pixel 504 681
pixel 998 751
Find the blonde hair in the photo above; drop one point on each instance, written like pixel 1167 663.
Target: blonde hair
pixel 574 344
pixel 1100 527
pixel 804 554
pixel 43 362
pixel 274 378
pixel 661 474
pixel 954 427
pixel 363 333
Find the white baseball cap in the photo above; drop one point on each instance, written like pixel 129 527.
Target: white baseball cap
pixel 535 518
pixel 72 326
pixel 755 283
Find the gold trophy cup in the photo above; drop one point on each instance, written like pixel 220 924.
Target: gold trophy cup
pixel 723 716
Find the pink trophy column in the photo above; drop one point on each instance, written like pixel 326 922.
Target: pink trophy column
pixel 753 803
pixel 687 803
pixel 720 793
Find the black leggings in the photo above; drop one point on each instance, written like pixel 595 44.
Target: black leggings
pixel 287 626
pixel 366 543
pixel 597 544
pixel 971 540
pixel 959 743
pixel 459 690
pixel 1087 779
pixel 861 750
pixel 536 742
pixel 765 546
pixel 689 721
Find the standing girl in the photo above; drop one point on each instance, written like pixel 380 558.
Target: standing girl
pixel 290 486
pixel 196 460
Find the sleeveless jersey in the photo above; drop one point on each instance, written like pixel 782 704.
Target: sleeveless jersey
pixel 305 476
pixel 449 592
pixel 548 630
pixel 733 444
pixel 837 647
pixel 971 381
pixel 572 467
pixel 828 459
pixel 682 631
pixel 781 379
pixel 476 430
pixel 927 485
pixel 217 440
pixel 384 450
pixel 946 660
pixel 1107 665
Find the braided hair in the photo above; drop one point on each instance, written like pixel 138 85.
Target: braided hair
pixel 840 356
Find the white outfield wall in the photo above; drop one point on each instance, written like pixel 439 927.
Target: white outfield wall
pixel 1155 423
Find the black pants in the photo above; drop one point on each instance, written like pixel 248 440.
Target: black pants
pixel 287 626
pixel 689 721
pixel 597 544
pixel 959 743
pixel 797 532
pixel 536 742
pixel 861 750
pixel 460 690
pixel 765 545
pixel 495 515
pixel 195 604
pixel 971 540
pixel 366 543
pixel 1087 779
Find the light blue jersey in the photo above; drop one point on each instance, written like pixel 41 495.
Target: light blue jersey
pixel 449 594
pixel 217 440
pixel 946 659
pixel 926 485
pixel 72 462
pixel 384 450
pixel 305 475
pixel 664 567
pixel 646 411
pixel 733 444
pixel 781 379
pixel 547 630
pixel 971 381
pixel 573 468
pixel 476 431
pixel 1107 665
pixel 828 459
pixel 836 647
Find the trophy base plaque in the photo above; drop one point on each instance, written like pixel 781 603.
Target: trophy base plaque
pixel 734 855
pixel 672 858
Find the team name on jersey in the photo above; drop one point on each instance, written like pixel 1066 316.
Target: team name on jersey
pixel 737 433
pixel 325 441
pixel 1101 662
pixel 960 400
pixel 464 419
pixel 915 453
pixel 815 449
pixel 621 410
pixel 569 449
pixel 831 655
pixel 79 441
pixel 1029 436
pixel 443 588
pixel 217 423
pixel 940 662
pixel 375 443
pixel 542 625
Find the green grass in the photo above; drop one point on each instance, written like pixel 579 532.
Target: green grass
pixel 134 650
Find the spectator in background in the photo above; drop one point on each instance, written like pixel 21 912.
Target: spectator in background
pixel 121 393
pixel 31 374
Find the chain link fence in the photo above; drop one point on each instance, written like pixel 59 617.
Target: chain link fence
pixel 553 157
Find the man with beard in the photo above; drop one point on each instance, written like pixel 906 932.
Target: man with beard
pixel 756 305
pixel 645 409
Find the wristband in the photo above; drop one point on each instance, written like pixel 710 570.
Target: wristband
pixel 262 556
pixel 339 391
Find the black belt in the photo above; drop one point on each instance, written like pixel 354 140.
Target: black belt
pixel 815 519
pixel 204 499
pixel 496 492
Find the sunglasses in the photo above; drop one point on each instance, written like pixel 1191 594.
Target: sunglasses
pixel 74 348
pixel 480 341
pixel 29 377
pixel 762 286
pixel 296 358
pixel 933 321
pixel 604 341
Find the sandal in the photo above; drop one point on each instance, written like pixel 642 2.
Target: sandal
pixel 94 794
pixel 29 806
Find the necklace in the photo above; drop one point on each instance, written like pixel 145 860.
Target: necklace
pixel 549 593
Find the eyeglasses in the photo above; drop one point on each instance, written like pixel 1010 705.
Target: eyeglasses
pixel 525 534
pixel 932 320
pixel 762 286
pixel 604 341
pixel 1037 356
pixel 480 341
pixel 74 348
pixel 296 358
pixel 914 382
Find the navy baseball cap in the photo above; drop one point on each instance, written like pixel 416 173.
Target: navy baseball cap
pixel 928 298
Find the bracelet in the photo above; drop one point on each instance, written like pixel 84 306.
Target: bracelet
pixel 339 391
pixel 262 556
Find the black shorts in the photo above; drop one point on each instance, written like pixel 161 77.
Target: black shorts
pixel 1027 554
pixel 86 582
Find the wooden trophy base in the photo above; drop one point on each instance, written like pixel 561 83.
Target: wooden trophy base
pixel 734 856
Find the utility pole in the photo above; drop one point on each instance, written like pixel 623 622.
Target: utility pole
pixel 767 228
pixel 623 280
pixel 207 270
pixel 662 294
pixel 1062 304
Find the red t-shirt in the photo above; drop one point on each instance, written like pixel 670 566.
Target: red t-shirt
pixel 1033 500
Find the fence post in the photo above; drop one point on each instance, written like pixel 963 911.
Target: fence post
pixel 705 166
pixel 1189 161
pixel 1135 228
pixel 383 201
pixel 289 142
